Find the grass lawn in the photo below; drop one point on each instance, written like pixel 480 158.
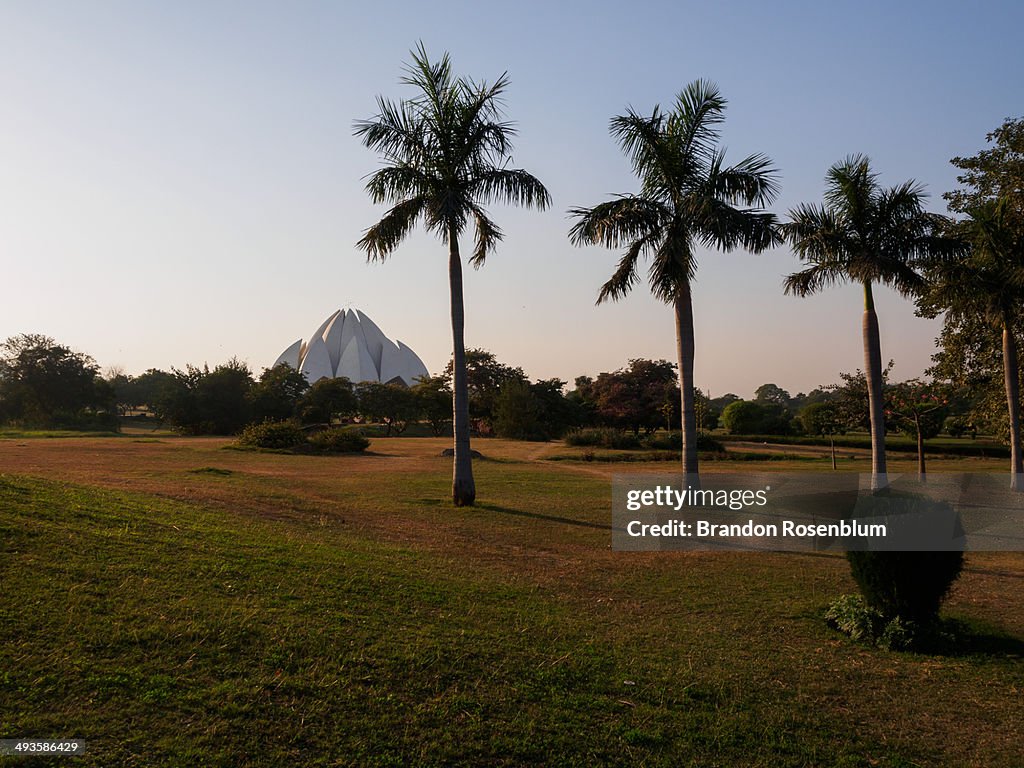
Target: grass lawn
pixel 174 603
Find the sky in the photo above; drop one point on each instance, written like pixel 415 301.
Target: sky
pixel 180 183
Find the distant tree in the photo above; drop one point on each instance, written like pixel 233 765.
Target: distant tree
pixel 851 398
pixel 326 400
pixel 866 235
pixel 201 401
pixel 485 377
pixel 277 394
pixel 43 383
pixel 154 389
pixel 918 409
pixel 771 393
pixel 393 405
pixel 743 417
pixel 446 153
pixel 434 399
pixel 517 412
pixel 823 418
pixel 634 397
pixel 688 198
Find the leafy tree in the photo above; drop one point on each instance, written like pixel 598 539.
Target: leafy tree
pixel 633 397
pixel 326 400
pixel 201 401
pixel 446 154
pixel 743 417
pixel 985 287
pixel 485 378
pixel 867 235
pixel 773 394
pixel 43 383
pixel 823 418
pixel 434 399
pixel 517 412
pixel 993 174
pixel 277 394
pixel 393 405
pixel 688 198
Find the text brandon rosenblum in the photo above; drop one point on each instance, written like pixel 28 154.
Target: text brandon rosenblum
pixel 788 529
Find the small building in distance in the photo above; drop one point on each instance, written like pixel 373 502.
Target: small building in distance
pixel 350 344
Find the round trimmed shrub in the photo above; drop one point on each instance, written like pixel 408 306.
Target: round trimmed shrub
pixel 278 435
pixel 906 585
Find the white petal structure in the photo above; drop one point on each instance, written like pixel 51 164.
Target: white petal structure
pixel 350 344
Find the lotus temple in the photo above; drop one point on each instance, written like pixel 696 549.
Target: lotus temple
pixel 350 344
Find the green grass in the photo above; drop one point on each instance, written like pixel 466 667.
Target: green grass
pixel 360 620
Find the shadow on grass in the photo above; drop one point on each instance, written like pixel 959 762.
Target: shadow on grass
pixel 957 638
pixel 541 516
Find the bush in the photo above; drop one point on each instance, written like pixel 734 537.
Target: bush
pixel 272 434
pixel 905 585
pixel 673 441
pixel 338 440
pixel 602 438
pixel 852 616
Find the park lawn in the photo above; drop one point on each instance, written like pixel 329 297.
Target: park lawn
pixel 173 602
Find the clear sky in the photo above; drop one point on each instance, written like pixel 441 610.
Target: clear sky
pixel 179 182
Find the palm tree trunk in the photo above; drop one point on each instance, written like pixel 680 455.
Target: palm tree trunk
pixel 463 487
pixel 684 353
pixel 1011 374
pixel 876 406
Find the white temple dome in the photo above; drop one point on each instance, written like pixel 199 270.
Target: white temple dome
pixel 350 344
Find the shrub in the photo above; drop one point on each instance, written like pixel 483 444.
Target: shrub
pixel 673 441
pixel 272 434
pixel 908 585
pixel 852 616
pixel 602 438
pixel 339 440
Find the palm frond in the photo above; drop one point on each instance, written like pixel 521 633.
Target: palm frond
pixel 625 276
pixel 700 109
pixel 616 222
pixel 752 181
pixel 511 186
pixel 383 237
pixel 397 182
pixel 488 235
pixel 809 281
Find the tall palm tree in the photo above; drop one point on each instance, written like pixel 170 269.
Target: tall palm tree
pixel 688 198
pixel 867 235
pixel 445 153
pixel 988 282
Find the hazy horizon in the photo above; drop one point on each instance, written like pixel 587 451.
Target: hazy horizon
pixel 181 183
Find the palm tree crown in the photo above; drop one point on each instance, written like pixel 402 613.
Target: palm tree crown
pixel 863 233
pixel 445 155
pixel 688 198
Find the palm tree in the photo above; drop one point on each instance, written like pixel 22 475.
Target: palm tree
pixel 987 282
pixel 445 153
pixel 867 235
pixel 688 197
